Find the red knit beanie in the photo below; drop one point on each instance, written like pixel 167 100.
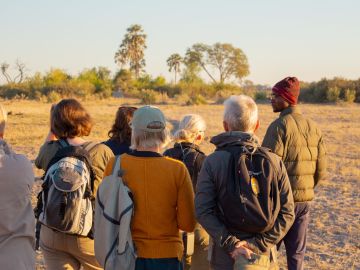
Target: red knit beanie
pixel 288 89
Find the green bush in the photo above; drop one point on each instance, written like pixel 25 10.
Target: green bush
pixel 148 96
pixel 182 99
pixel 349 95
pixel 333 94
pixel 261 95
pixel 53 97
pixel 196 100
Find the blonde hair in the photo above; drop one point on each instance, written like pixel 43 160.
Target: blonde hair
pixel 189 127
pixel 241 113
pixel 3 119
pixel 144 139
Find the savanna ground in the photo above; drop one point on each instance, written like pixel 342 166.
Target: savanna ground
pixel 334 231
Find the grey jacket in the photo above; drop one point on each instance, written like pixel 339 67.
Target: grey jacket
pixel 17 222
pixel 211 188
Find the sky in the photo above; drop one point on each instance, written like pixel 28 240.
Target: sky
pixel 310 39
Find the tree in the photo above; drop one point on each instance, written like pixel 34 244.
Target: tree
pixel 20 66
pixel 131 50
pixel 174 62
pixel 226 59
pixel 123 80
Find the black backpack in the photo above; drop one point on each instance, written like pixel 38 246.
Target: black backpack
pixel 251 201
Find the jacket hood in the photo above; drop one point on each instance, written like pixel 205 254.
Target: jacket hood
pixel 233 138
pixel 185 145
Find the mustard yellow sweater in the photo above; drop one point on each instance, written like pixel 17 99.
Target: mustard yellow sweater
pixel 164 203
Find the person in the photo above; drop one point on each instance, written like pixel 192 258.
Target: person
pixel 17 223
pixel 188 137
pixel 162 193
pixel 298 141
pixel 234 243
pixel 70 122
pixel 120 133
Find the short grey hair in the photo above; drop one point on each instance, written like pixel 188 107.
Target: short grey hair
pixel 241 113
pixel 3 119
pixel 145 139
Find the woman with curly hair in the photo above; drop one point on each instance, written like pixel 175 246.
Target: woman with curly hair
pixel 120 133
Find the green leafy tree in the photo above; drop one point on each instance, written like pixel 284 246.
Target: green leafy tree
pixel 123 80
pixel 99 78
pixel 131 50
pixel 223 57
pixel 190 73
pixel 174 62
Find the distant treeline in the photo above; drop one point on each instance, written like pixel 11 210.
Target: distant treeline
pixel 190 89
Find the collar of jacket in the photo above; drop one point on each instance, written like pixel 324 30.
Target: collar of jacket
pixel 4 148
pixel 144 154
pixel 233 137
pixel 289 110
pixel 185 145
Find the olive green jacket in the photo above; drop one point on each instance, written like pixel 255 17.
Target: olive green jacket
pixel 298 141
pixel 99 157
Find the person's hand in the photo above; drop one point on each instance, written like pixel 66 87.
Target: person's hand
pixel 241 249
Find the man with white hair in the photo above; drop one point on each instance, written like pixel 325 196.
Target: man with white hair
pixel 17 222
pixel 243 195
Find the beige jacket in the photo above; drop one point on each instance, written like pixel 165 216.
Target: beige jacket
pixel 17 221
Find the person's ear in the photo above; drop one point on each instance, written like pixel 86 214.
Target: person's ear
pixel 226 126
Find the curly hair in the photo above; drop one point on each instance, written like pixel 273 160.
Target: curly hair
pixel 69 119
pixel 121 130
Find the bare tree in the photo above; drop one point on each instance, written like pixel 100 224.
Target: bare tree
pixel 19 66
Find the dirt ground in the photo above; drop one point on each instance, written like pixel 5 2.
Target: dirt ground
pixel 334 230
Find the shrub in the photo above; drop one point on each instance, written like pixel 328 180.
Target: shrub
pixel 53 97
pixel 261 95
pixel 196 100
pixel 222 95
pixel 349 95
pixel 182 99
pixel 148 96
pixel 333 94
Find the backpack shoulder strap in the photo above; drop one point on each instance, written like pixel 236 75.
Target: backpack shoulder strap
pixel 88 146
pixel 63 143
pixel 116 168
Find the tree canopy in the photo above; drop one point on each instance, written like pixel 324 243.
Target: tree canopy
pixel 131 49
pixel 223 57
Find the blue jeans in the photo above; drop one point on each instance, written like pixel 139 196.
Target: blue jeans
pixel 158 264
pixel 295 239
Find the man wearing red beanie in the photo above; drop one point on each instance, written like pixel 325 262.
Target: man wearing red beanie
pixel 298 141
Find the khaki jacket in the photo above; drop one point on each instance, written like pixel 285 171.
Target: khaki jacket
pixel 299 142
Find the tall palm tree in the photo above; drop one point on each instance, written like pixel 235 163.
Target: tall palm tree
pixel 174 62
pixel 131 49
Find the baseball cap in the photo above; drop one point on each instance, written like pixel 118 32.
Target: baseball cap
pixel 148 118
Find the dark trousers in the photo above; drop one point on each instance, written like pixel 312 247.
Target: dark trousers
pixel 158 264
pixel 295 239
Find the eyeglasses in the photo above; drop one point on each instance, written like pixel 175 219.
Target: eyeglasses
pixel 127 108
pixel 273 96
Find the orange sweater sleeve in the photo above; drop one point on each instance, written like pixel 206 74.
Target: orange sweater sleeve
pixel 185 203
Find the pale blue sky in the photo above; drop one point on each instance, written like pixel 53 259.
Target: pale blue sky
pixel 308 39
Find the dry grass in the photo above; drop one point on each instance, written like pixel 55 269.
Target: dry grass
pixel 334 233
